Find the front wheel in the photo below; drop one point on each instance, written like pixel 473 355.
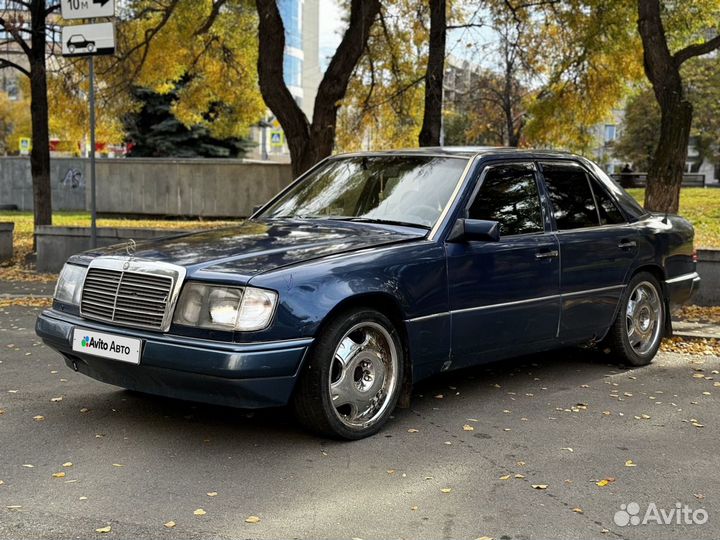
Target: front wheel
pixel 636 334
pixel 352 379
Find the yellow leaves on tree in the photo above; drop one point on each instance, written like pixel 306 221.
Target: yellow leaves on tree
pixel 207 56
pixel 589 51
pixel 14 122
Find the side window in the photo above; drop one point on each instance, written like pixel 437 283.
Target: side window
pixel 570 195
pixel 609 213
pixel 509 195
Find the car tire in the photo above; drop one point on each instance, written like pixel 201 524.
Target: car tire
pixel 638 329
pixel 90 47
pixel 353 375
pixel 71 49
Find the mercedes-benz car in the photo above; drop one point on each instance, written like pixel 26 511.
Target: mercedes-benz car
pixel 371 272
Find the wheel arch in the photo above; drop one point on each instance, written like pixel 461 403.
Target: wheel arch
pixel 658 273
pixel 389 306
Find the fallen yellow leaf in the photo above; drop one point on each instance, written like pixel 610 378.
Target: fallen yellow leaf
pixel 56 399
pixel 446 490
pixel 118 465
pixel 68 464
pixel 539 486
pixel 212 494
pixel 505 477
pixel 519 476
pixel 199 512
pixel 484 538
pixel 169 524
pixel 468 427
pixel 59 475
pixel 252 519
pixel 39 418
pixel 103 530
pixel 413 430
pixel 605 481
pixel 630 463
pixel 577 510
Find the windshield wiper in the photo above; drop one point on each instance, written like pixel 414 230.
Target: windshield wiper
pixel 384 222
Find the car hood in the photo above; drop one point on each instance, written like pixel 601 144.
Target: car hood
pixel 260 246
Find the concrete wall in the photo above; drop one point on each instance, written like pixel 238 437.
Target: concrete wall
pixel 708 267
pixel 159 187
pixel 56 244
pixel 6 241
pixel 16 183
pixel 208 188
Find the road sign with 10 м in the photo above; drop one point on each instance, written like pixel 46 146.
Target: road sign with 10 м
pixel 86 9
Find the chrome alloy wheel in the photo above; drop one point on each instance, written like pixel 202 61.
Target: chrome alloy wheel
pixel 363 375
pixel 644 316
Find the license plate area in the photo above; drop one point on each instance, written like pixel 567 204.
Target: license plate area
pixel 110 346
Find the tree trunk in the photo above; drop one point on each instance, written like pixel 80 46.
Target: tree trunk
pixel 40 153
pixel 663 71
pixel 309 143
pixel 666 170
pixel 430 133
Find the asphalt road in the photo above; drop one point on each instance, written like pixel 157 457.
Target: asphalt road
pixel 560 421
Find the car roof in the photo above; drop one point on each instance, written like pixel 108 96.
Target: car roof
pixel 468 152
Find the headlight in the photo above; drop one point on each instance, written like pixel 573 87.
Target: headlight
pixel 225 308
pixel 69 285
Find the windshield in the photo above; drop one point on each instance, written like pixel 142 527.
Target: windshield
pixel 408 190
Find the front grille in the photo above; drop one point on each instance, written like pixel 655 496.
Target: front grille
pixel 126 298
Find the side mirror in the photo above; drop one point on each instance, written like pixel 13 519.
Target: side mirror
pixel 475 230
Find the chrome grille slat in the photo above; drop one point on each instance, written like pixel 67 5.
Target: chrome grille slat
pixel 127 297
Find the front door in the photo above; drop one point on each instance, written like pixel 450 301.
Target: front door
pixel 597 247
pixel 504 296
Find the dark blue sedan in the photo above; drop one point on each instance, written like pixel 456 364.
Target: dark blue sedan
pixel 374 271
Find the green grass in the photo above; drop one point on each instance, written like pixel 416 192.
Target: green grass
pixel 17 268
pixel 701 207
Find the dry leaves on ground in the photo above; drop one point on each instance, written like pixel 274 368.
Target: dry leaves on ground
pixel 691 346
pixel 702 314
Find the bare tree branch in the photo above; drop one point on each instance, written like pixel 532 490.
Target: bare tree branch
pixel 217 5
pixel 696 49
pixel 9 64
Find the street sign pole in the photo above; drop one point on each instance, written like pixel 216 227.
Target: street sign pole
pixel 93 200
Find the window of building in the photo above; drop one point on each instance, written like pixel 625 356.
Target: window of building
pixel 292 70
pixel 610 132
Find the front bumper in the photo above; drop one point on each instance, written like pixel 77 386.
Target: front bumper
pixel 248 375
pixel 681 289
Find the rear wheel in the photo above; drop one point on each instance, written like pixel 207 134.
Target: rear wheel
pixel 351 381
pixel 636 334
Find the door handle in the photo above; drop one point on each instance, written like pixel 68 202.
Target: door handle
pixel 547 254
pixel 627 244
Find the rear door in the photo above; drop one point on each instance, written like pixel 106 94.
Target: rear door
pixel 597 247
pixel 504 295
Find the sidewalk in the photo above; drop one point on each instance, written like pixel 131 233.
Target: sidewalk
pixel 696 330
pixel 22 289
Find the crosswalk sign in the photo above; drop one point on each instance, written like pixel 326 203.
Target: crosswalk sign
pixel 24 145
pixel 276 138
